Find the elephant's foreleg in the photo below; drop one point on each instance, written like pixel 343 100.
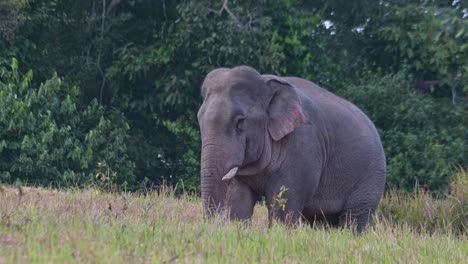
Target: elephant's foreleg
pixel 240 200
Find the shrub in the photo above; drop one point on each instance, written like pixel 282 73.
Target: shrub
pixel 46 139
pixel 423 137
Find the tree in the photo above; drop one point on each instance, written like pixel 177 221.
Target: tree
pixel 142 63
pixel 46 138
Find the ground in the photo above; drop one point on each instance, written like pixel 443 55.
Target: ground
pixel 90 226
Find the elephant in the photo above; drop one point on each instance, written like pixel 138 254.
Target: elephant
pixel 311 155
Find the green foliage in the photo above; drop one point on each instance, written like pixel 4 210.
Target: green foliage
pixel 431 40
pixel 47 139
pixel 10 17
pixel 187 147
pixel 423 137
pixel 296 45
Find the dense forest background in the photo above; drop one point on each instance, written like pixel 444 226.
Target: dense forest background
pixel 108 90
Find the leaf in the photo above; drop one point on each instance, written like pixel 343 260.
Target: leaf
pixel 3 145
pixel 460 33
pixel 410 53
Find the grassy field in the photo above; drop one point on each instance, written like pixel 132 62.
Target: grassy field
pixel 89 226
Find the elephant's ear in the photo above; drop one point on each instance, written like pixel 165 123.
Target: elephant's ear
pixel 285 109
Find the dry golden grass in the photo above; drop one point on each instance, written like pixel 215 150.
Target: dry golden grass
pixel 40 225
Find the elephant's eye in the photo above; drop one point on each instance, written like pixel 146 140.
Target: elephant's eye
pixel 240 124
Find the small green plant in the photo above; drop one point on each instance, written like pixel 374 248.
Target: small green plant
pixel 280 200
pixel 279 203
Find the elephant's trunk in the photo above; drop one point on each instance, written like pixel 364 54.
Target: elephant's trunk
pixel 221 157
pixel 212 187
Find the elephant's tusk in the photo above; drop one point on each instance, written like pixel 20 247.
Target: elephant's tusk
pixel 230 174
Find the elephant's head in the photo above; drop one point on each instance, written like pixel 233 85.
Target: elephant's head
pixel 242 113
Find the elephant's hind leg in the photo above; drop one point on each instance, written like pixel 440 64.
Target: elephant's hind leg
pixel 359 209
pixel 356 220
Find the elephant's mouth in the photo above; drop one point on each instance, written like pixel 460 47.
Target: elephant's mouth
pixel 230 174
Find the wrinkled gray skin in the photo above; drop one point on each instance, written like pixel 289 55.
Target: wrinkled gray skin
pixel 287 132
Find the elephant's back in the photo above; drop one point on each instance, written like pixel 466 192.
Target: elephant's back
pixel 338 113
pixel 311 89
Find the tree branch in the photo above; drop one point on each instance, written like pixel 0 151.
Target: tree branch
pixel 112 5
pixel 98 63
pixel 226 8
